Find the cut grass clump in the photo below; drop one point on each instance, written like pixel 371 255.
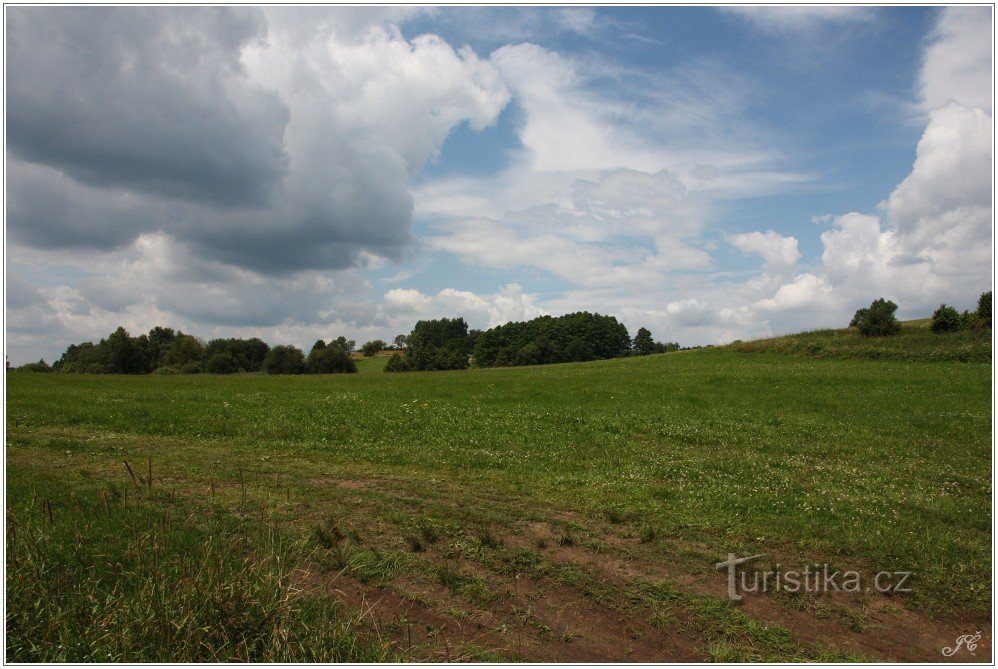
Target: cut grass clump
pixel 466 585
pixel 488 540
pixel 366 564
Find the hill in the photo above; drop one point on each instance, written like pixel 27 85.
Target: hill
pixel 916 343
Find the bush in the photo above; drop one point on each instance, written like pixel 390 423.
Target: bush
pixel 396 363
pixel 222 362
pixel 984 308
pixel 166 370
pixel 877 320
pixel 969 320
pixel 373 348
pixel 40 366
pixel 284 360
pixel 191 368
pixel 945 319
pixel 330 360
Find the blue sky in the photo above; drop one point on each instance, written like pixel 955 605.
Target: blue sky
pixel 296 173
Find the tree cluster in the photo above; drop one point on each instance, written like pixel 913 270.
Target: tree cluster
pixel 948 319
pixel 570 338
pixel 166 351
pixel 449 344
pixel 434 345
pixel 878 320
pixel 645 345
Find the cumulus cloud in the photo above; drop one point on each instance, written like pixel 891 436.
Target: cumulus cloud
pixel 151 101
pixel 957 62
pixel 779 253
pixel 271 150
pixel 481 311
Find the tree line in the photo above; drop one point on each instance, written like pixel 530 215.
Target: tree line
pixel 167 351
pixel 447 343
pixel 443 343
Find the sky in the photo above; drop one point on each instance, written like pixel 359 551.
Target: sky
pixel 297 173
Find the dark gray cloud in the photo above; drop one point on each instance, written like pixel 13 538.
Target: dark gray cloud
pixel 153 100
pixel 257 138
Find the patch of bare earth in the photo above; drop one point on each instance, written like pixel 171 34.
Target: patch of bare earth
pixel 537 618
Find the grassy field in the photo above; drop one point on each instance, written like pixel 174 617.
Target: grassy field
pixel 917 343
pixel 567 512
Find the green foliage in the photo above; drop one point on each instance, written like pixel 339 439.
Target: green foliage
pixel 945 319
pixel 183 350
pixel 329 360
pixel 246 354
pixel 122 354
pixel 434 345
pixel 877 320
pixel 284 360
pixel 984 308
pixel 221 362
pixel 400 341
pixel 570 338
pixel 192 367
pixel 645 345
pixel 40 366
pixel 396 363
pixel 373 347
pixel 344 344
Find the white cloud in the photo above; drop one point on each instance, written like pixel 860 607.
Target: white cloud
pixel 800 19
pixel 942 210
pixel 480 311
pixel 779 253
pixel 957 62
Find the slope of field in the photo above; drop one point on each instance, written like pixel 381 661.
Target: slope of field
pixel 567 512
pixel 916 343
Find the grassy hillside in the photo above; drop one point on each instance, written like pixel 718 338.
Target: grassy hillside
pixel 561 512
pixel 915 343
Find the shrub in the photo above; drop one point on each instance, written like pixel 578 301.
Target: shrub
pixel 166 370
pixel 191 368
pixel 877 320
pixel 284 360
pixel 945 319
pixel 221 362
pixel 969 320
pixel 373 347
pixel 984 308
pixel 396 363
pixel 40 366
pixel 330 360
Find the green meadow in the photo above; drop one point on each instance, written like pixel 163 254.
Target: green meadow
pixel 481 496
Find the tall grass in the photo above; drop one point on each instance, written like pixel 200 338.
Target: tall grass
pixel 102 581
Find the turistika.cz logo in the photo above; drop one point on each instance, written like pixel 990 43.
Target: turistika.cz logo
pixel 814 578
